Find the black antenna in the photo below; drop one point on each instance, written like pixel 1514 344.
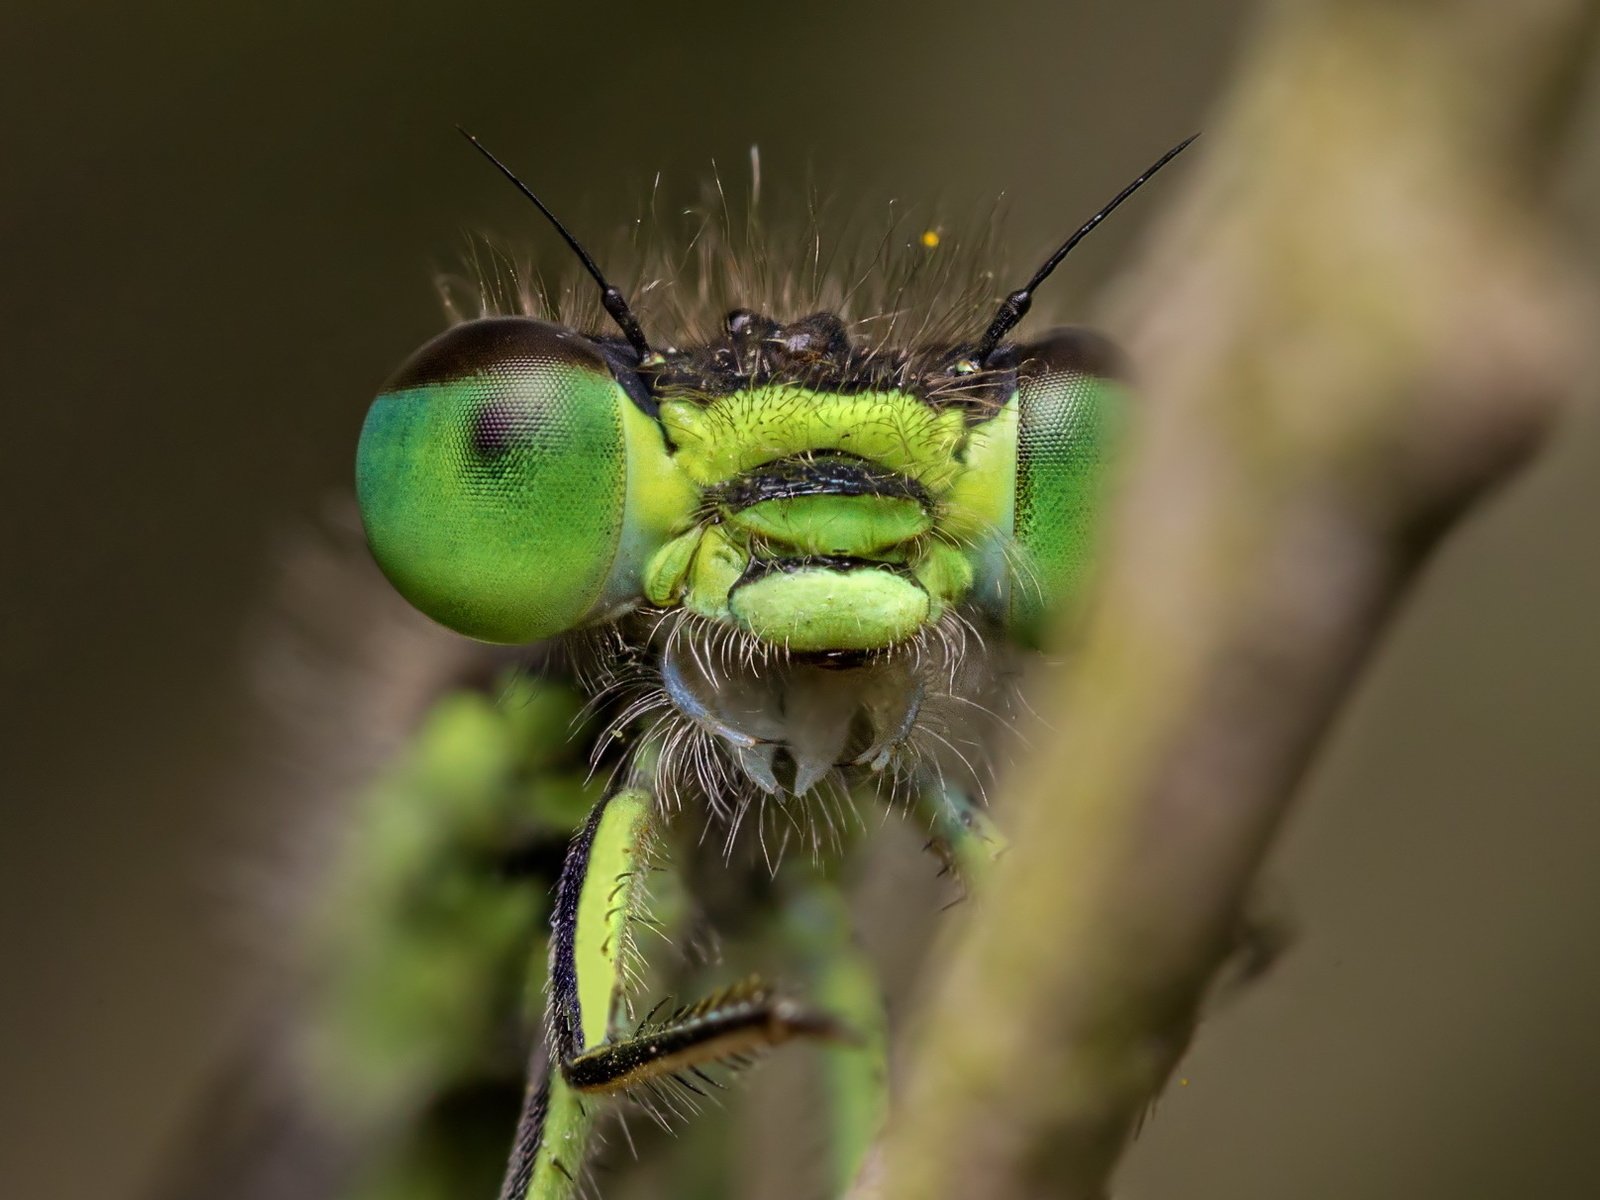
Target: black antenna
pixel 611 299
pixel 1015 306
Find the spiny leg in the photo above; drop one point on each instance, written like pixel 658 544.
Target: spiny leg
pixel 962 833
pixel 601 894
pixel 552 1137
pixel 590 960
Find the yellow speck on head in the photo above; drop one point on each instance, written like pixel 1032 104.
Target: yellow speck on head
pixel 930 238
pixel 1183 1083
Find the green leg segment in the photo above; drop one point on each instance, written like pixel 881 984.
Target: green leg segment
pixel 961 831
pixel 598 1051
pixel 855 1074
pixel 552 1138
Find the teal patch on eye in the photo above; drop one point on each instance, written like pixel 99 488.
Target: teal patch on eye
pixel 492 478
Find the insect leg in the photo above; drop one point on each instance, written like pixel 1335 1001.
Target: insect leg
pixel 855 1077
pixel 601 893
pixel 600 896
pixel 962 833
pixel 552 1137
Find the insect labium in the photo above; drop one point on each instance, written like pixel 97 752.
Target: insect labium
pixel 796 557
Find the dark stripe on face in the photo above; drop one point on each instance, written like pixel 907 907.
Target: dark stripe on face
pixel 834 475
pixel 760 568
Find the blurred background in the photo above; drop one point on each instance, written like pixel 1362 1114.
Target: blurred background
pixel 219 230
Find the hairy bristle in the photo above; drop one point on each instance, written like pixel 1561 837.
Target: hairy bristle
pixel 900 278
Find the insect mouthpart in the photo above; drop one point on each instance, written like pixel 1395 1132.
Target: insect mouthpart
pixel 789 722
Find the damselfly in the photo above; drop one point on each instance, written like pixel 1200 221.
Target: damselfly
pixel 776 565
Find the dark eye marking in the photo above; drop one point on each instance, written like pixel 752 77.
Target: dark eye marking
pixel 497 426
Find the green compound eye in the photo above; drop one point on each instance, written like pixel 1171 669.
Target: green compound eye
pixel 504 475
pixel 1071 407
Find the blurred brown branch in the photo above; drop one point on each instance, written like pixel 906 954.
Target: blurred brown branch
pixel 1352 328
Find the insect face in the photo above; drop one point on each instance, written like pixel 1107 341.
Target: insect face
pixel 518 480
pixel 798 496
